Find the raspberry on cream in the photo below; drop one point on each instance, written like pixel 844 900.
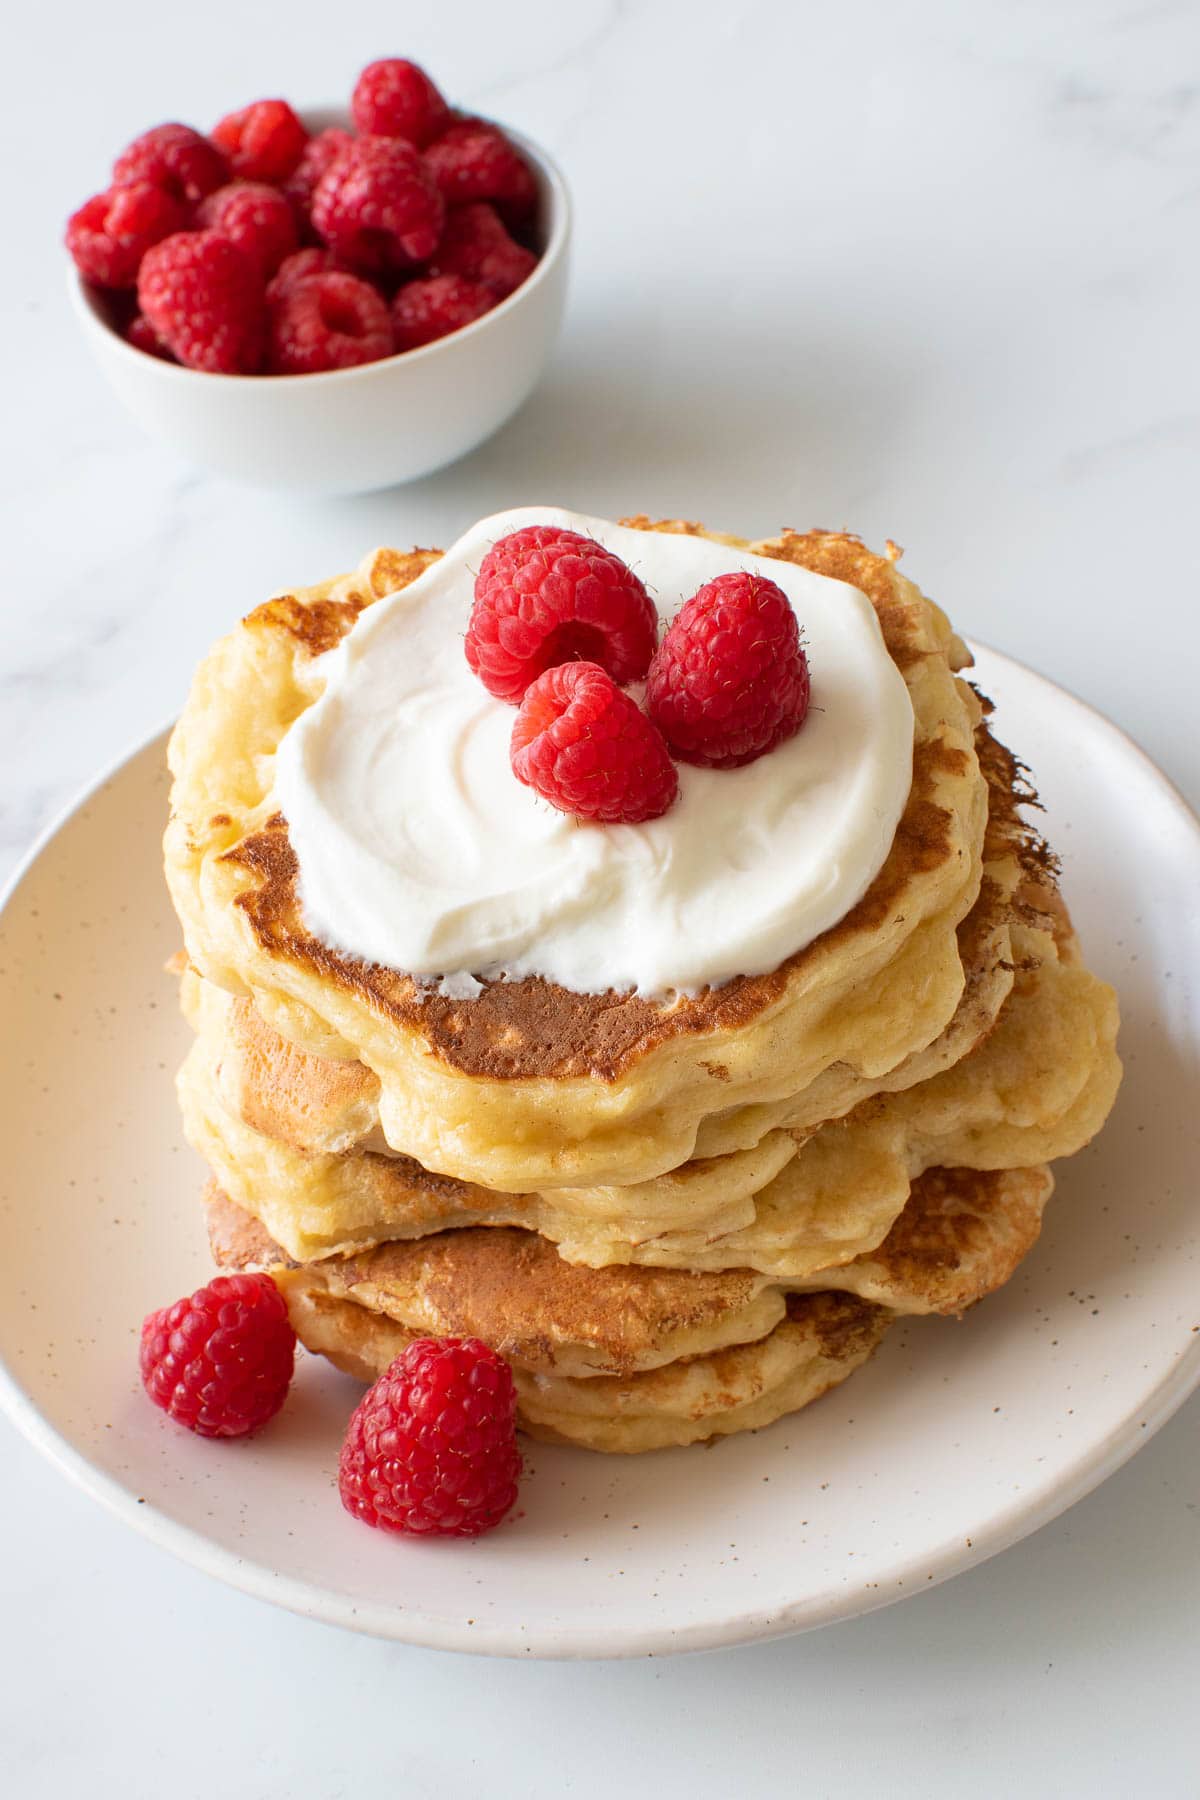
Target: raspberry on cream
pixel 419 849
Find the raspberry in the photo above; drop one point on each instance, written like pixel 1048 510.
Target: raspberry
pixel 264 141
pixel 300 266
pixel 425 310
pixel 320 153
pixel 220 1362
pixel 377 206
pixel 176 158
pixel 253 216
pixel 111 232
pixel 203 296
pixel 328 321
pixel 476 244
pixel 545 596
pixel 395 98
pixel 730 679
pixel 142 335
pixel 589 749
pixel 473 160
pixel 432 1447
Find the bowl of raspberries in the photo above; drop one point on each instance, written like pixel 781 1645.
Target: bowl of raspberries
pixel 325 301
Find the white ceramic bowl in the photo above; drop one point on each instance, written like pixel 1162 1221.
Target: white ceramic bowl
pixel 351 430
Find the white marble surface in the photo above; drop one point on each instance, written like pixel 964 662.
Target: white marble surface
pixel 930 271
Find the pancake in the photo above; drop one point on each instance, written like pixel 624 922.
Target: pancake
pixel 323 1104
pixel 823 1339
pixel 530 1085
pixel 592 1350
pixel 1038 1087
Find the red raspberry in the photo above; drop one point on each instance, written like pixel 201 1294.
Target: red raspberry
pixel 545 596
pixel 377 205
pixel 255 217
pixel 220 1362
pixel 204 298
pixel 300 266
pixel 425 310
pixel 176 158
pixel 264 141
pixel 111 232
pixel 730 679
pixel 328 321
pixel 590 750
pixel 476 244
pixel 475 161
pixel 142 335
pixel 320 153
pixel 432 1447
pixel 395 98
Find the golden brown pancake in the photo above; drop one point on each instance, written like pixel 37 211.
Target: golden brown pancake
pixel 591 1349
pixel 961 1235
pixel 1037 1087
pixel 323 1104
pixel 530 1084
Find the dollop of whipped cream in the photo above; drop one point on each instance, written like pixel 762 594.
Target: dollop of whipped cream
pixel 419 849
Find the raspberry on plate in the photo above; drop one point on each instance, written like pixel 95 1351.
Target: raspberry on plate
pixel 590 750
pixel 176 158
pixel 264 141
pixel 204 298
pixel 327 321
pixel 424 311
pixel 220 1362
pixel 395 98
pixel 111 232
pixel 544 596
pixel 473 160
pixel 320 154
pixel 377 205
pixel 255 217
pixel 730 679
pixel 476 244
pixel 431 1449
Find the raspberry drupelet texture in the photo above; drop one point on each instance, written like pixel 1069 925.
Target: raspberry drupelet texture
pixel 111 232
pixel 263 141
pixel 255 217
pixel 473 160
pixel 142 335
pixel 176 158
pixel 320 154
pixel 730 679
pixel 395 98
pixel 204 298
pixel 424 311
pixel 431 1449
pixel 220 1362
pixel 544 596
pixel 300 266
pixel 476 244
pixel 327 321
pixel 588 749
pixel 377 205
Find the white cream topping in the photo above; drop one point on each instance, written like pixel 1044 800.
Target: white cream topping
pixel 420 850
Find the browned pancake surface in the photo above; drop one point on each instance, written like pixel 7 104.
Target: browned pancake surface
pixel 534 1028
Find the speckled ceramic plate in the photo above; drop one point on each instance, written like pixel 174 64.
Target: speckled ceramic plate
pixel 953 1443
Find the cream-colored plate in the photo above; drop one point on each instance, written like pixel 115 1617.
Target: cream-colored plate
pixel 955 1442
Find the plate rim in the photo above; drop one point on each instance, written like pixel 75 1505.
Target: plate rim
pixel 1020 1519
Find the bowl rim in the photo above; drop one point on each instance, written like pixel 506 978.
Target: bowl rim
pixel 87 310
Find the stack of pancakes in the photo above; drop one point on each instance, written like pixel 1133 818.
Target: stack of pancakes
pixel 675 1218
